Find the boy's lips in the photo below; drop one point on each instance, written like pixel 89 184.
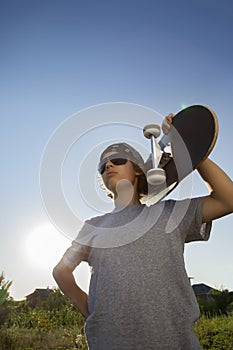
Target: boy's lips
pixel 111 173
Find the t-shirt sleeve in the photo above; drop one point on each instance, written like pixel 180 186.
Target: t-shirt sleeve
pixel 192 227
pixel 75 254
pixel 186 216
pixel 78 251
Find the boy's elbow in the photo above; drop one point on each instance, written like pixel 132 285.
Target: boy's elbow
pixel 59 270
pixel 228 205
pixel 231 205
pixel 56 272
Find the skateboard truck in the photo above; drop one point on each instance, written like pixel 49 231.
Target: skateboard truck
pixel 155 176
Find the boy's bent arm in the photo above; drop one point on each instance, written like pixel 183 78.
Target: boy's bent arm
pixel 63 275
pixel 220 201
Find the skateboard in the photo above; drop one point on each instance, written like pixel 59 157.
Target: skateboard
pixel 191 138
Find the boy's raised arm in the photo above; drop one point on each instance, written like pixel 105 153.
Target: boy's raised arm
pixel 220 200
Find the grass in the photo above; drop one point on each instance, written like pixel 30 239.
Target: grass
pixel 34 339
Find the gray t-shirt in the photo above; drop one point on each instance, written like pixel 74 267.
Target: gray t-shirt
pixel 140 296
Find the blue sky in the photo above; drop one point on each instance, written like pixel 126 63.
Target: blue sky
pixel 60 57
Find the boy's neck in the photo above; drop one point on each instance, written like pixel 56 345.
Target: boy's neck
pixel 126 194
pixel 124 201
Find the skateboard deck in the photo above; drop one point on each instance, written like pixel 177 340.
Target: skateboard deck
pixel 191 138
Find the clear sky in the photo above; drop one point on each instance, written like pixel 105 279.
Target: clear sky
pixel 60 57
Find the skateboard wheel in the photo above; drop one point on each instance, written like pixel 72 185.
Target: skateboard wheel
pixel 156 176
pixel 151 130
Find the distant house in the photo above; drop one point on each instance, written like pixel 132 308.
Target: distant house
pixel 202 291
pixel 38 295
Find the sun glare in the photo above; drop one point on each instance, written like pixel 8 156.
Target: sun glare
pixel 45 246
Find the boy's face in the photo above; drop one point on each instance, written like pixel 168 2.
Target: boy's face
pixel 113 173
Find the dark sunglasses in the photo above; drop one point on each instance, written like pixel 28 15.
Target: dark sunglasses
pixel 115 161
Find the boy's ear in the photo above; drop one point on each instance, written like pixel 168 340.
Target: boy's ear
pixel 138 173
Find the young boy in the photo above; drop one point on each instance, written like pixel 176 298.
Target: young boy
pixel 140 296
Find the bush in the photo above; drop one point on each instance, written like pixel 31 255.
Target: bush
pixel 215 333
pixel 37 318
pixel 208 308
pixel 5 312
pixel 54 325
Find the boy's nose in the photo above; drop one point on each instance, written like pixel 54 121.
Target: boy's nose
pixel 108 164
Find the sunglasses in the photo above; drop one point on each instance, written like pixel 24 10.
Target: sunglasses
pixel 115 161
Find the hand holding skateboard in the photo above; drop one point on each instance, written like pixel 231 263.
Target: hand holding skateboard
pixel 191 134
pixel 166 124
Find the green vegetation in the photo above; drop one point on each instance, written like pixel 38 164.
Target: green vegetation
pixel 54 324
pixel 4 286
pixel 220 303
pixel 215 327
pixel 215 333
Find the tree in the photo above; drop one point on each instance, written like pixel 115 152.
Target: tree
pixel 223 299
pixel 4 298
pixel 4 287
